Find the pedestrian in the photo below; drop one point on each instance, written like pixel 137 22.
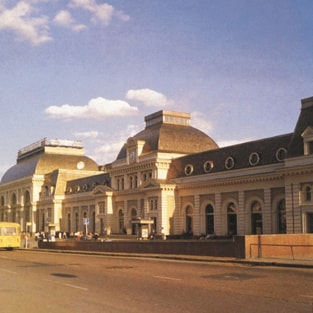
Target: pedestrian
pixel 163 234
pixel 25 240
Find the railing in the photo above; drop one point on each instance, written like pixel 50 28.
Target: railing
pixel 50 142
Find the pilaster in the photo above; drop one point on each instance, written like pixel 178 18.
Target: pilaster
pixel 177 215
pixel 196 213
pixel 218 215
pixel 241 216
pixel 266 212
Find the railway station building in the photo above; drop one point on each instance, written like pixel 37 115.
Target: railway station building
pixel 171 176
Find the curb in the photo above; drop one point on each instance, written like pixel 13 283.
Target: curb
pixel 191 258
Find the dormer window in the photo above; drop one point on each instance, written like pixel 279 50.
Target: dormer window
pixel 307 136
pixel 134 149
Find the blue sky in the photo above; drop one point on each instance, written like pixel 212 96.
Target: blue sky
pixel 90 70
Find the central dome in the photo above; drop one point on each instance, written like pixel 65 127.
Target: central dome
pixel 170 132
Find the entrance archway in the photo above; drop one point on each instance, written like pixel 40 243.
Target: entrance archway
pixel 27 212
pixel 121 224
pixel 209 219
pixel 231 219
pixel 134 217
pixel 189 219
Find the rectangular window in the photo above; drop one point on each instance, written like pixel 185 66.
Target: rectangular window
pixel 153 204
pixel 101 207
pixel 9 231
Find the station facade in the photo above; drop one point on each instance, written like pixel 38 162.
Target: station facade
pixel 172 175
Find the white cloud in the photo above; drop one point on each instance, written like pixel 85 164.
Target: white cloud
pixel 88 5
pixel 105 148
pixel 88 134
pixel 26 22
pixel 107 153
pixel 200 121
pixel 148 97
pixel 98 108
pixel 64 18
pixel 100 13
pixel 21 21
pixel 227 143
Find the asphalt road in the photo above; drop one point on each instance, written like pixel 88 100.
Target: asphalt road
pixel 39 282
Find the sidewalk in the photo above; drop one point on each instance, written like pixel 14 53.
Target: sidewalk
pixel 33 246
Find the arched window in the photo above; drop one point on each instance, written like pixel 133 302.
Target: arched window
pixel 231 219
pixel 2 214
pixel 94 221
pixel 209 219
pixel 134 217
pixel 121 222
pixel 43 221
pixel 27 208
pixel 69 223
pixel 256 218
pixel 281 217
pixel 13 207
pixel 189 219
pixel 76 222
pixel 13 199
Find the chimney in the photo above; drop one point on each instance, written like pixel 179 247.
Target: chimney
pixel 307 103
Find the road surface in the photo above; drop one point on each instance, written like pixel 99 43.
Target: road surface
pixel 40 282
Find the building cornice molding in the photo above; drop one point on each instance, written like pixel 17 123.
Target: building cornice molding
pixel 230 181
pixel 131 169
pixel 295 171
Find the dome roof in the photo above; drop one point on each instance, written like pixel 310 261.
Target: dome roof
pixel 45 159
pixel 170 132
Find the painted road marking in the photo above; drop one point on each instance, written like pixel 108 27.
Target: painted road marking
pixel 67 285
pixel 75 286
pixel 168 278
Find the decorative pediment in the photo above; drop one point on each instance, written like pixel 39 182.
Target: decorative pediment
pixel 307 136
pixel 151 183
pixel 308 133
pixel 101 190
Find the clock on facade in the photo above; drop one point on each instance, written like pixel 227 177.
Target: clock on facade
pixel 80 165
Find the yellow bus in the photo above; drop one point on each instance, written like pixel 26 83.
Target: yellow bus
pixel 10 235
